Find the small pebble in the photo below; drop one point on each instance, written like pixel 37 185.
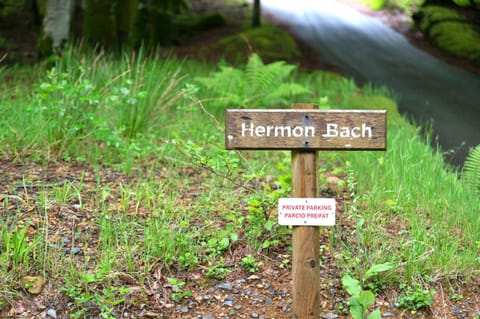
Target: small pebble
pixel 225 286
pixel 75 250
pixel 52 313
pixel 286 309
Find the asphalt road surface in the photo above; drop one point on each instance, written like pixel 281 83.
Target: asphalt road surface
pixel 364 48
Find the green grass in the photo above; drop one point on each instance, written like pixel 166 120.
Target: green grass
pixel 162 194
pixel 409 184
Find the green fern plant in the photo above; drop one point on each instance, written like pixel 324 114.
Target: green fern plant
pixel 258 84
pixel 471 170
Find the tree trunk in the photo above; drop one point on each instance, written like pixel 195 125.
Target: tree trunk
pixel 99 23
pixel 126 12
pixel 256 13
pixel 56 27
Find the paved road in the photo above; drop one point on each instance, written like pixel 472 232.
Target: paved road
pixel 366 49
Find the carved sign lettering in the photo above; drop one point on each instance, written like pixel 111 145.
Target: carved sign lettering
pixel 306 129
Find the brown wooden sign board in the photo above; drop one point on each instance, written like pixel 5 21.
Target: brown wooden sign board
pixel 303 129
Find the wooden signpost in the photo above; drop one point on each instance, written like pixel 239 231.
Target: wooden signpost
pixel 304 130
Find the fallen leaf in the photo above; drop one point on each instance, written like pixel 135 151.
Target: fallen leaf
pixel 151 314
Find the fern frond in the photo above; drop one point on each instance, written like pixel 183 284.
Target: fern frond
pixel 227 85
pixel 254 64
pixel 263 77
pixel 471 170
pixel 257 84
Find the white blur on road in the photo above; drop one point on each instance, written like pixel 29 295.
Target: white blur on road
pixel 364 48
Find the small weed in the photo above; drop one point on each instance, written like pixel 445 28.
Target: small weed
pixel 415 297
pixel 261 229
pixel 217 269
pixel 177 289
pixel 85 296
pixel 188 260
pixel 456 297
pixel 360 299
pixel 17 250
pixel 249 263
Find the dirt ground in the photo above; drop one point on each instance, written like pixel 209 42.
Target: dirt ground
pixel 265 293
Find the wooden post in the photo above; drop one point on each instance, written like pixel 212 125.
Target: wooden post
pixel 305 241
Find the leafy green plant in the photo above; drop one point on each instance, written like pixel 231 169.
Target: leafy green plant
pixel 415 297
pixel 216 245
pixel 454 296
pixel 249 263
pixel 17 249
pixel 260 226
pixel 177 289
pixel 360 299
pixel 217 269
pixel 258 84
pixel 212 157
pixel 262 230
pixel 66 105
pixel 471 170
pixel 85 295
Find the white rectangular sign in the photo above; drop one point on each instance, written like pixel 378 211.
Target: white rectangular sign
pixel 306 211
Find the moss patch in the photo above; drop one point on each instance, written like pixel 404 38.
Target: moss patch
pixel 190 23
pixel 450 31
pixel 269 42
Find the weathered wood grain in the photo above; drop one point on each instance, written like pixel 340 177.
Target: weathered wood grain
pixel 305 239
pixel 292 129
